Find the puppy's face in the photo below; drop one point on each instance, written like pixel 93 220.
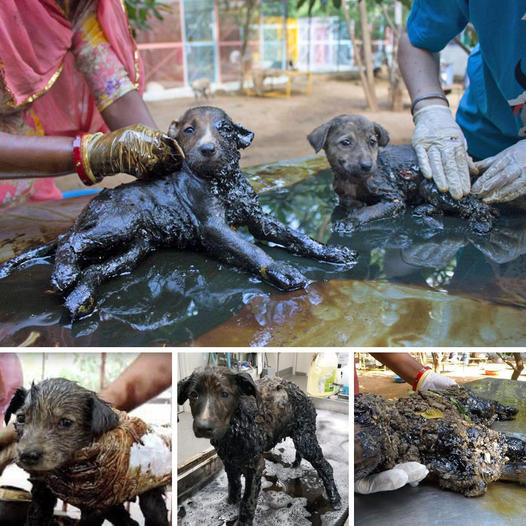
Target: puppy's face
pixel 54 419
pixel 351 143
pixel 214 397
pixel 210 140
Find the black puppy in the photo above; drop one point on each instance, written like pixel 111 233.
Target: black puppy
pixel 198 207
pixel 55 419
pixel 243 419
pixel 374 183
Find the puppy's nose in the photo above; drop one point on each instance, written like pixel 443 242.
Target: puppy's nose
pixel 208 149
pixel 203 429
pixel 31 457
pixel 366 166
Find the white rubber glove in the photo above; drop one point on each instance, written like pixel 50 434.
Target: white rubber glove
pixel 441 149
pixel 402 474
pixel 504 177
pixel 436 381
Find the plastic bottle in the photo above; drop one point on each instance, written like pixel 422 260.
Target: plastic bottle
pixel 322 374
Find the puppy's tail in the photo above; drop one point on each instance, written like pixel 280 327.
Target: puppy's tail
pixel 15 263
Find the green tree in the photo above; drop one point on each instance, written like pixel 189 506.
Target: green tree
pixel 140 12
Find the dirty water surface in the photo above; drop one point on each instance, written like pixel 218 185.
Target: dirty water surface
pixel 414 283
pixel 289 496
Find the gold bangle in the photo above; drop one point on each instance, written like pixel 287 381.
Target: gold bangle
pixel 84 150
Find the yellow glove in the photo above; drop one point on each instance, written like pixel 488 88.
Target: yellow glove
pixel 136 150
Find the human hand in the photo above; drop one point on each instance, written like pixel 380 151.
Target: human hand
pixel 8 437
pixel 436 381
pixel 136 150
pixel 441 149
pixel 504 175
pixel 395 478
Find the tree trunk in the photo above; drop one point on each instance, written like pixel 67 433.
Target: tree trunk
pixel 517 367
pixel 369 96
pixel 367 52
pixel 250 5
pixel 395 77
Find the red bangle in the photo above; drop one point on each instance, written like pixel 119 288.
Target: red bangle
pixel 77 161
pixel 419 375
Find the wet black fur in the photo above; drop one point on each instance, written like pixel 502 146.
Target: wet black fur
pixel 195 208
pixel 95 417
pixel 254 428
pixel 374 183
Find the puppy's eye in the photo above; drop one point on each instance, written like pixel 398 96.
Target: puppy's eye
pixel 20 419
pixel 346 142
pixel 372 142
pixel 65 423
pixel 224 394
pixel 189 130
pixel 194 395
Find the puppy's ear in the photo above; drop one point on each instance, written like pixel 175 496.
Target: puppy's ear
pixel 243 136
pixel 318 136
pixel 182 390
pixel 103 417
pixel 247 386
pixel 382 134
pixel 15 404
pixel 173 129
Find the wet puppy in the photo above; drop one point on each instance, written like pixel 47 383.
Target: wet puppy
pixel 374 182
pixel 54 420
pixel 197 208
pixel 243 419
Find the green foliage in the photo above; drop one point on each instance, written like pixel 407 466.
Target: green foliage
pixel 141 11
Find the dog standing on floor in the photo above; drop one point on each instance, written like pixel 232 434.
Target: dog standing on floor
pixel 243 419
pixel 54 420
pixel 374 183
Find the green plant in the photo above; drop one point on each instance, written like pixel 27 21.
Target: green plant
pixel 141 11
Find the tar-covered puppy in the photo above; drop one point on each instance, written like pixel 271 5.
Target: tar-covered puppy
pixel 55 419
pixel 198 208
pixel 243 419
pixel 374 182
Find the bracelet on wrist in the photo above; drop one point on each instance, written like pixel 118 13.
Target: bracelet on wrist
pixel 426 97
pixel 81 162
pixel 420 377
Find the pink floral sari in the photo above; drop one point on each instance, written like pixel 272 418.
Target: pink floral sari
pixel 61 64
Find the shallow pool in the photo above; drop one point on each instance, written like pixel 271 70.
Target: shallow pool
pixel 414 284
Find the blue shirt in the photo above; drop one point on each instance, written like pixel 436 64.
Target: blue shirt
pixel 492 111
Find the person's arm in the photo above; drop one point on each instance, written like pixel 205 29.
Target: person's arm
pixel 129 109
pixel 405 366
pixel 420 69
pixel 29 156
pixel 439 143
pixel 146 377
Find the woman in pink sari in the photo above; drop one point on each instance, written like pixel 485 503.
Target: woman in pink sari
pixel 70 73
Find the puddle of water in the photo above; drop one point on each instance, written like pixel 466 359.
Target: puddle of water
pixel 419 285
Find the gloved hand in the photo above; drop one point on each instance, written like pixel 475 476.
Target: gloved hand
pixel 504 175
pixel 395 478
pixel 441 149
pixel 136 150
pixel 436 381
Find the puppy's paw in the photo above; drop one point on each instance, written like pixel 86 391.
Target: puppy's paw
pixel 339 254
pixel 80 302
pixel 64 276
pixel 284 276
